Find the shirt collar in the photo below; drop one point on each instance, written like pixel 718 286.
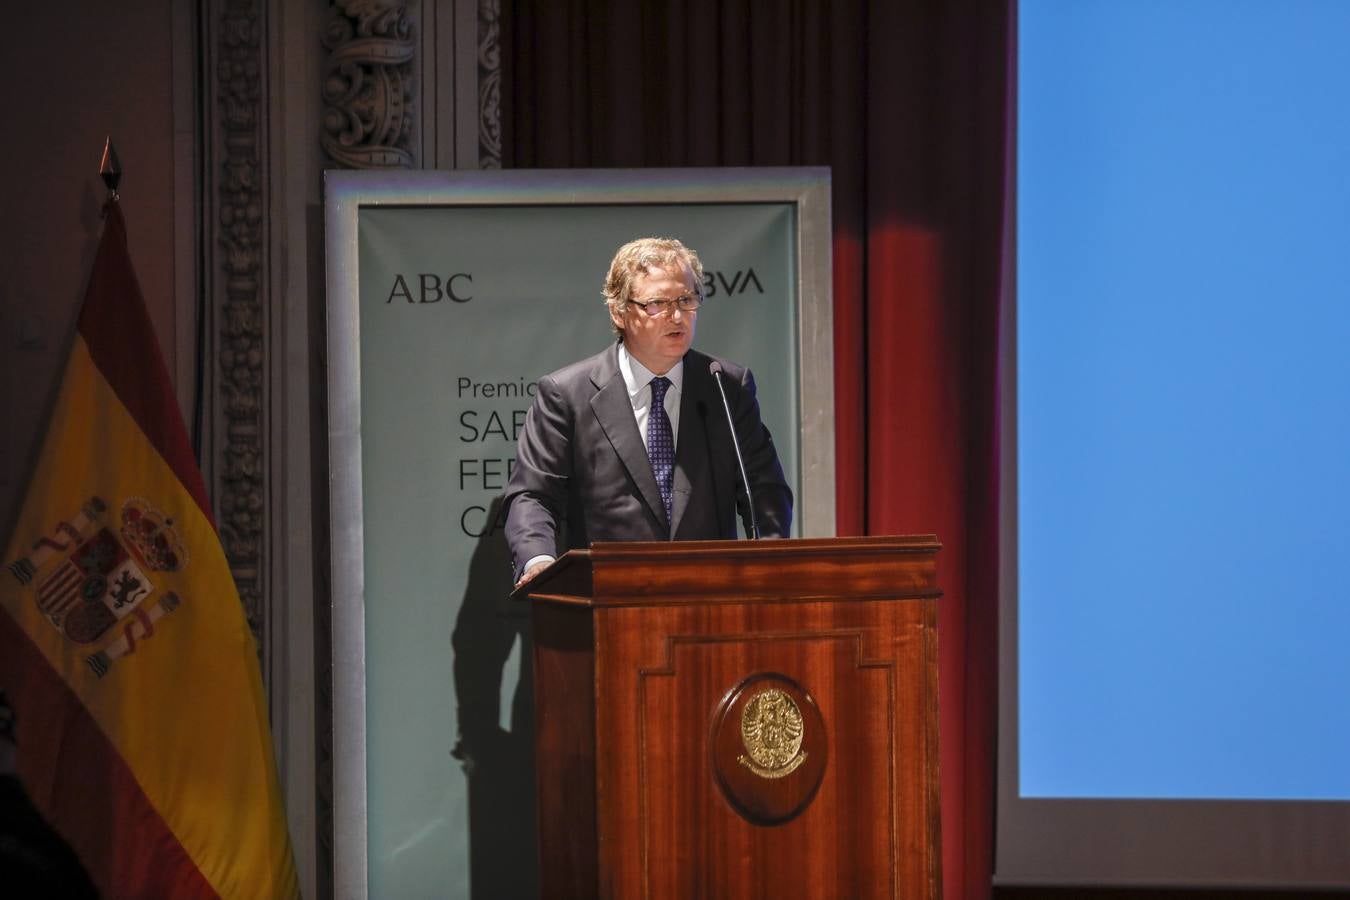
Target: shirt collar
pixel 637 377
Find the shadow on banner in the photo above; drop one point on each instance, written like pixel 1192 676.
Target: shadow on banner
pixel 498 764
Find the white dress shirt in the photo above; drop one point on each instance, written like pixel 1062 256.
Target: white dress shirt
pixel 638 379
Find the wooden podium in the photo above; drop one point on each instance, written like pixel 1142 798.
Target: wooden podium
pixel 738 719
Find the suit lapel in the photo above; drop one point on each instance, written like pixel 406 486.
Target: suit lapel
pixel 691 457
pixel 614 411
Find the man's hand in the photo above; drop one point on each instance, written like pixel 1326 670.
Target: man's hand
pixel 532 570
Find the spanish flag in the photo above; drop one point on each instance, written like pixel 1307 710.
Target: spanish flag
pixel 138 706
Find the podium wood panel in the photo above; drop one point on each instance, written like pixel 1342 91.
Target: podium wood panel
pixel 637 647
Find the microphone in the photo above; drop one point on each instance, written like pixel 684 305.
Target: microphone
pixel 716 369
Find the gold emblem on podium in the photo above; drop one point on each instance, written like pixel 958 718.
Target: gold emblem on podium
pixel 771 730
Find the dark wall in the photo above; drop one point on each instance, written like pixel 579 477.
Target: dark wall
pixel 75 73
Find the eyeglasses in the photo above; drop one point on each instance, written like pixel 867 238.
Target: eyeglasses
pixel 664 306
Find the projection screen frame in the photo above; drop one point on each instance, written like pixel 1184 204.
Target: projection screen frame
pixel 1033 836
pixel 346 192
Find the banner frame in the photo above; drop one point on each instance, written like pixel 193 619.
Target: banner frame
pixel 346 193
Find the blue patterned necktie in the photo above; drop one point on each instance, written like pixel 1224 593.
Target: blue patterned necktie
pixel 660 441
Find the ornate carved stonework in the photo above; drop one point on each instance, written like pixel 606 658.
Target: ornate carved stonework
pixel 489 85
pixel 241 349
pixel 368 85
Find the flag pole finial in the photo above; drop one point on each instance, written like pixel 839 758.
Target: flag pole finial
pixel 109 169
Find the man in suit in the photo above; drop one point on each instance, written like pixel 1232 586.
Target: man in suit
pixel 632 444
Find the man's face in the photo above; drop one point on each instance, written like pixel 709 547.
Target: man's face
pixel 658 342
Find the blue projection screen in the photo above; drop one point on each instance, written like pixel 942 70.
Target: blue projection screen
pixel 1176 637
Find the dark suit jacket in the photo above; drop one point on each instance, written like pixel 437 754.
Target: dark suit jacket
pixel 582 475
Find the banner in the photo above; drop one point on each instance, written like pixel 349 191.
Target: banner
pixel 138 706
pixel 462 309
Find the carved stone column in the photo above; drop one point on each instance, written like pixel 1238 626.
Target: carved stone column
pixel 489 84
pixel 237 285
pixel 368 85
pixel 255 384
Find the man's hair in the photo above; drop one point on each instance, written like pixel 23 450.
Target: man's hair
pixel 637 258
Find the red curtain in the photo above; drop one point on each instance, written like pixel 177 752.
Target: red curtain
pixel 906 101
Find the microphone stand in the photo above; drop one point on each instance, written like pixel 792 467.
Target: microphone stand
pixel 716 369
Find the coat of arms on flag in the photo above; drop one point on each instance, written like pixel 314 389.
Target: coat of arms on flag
pixel 104 577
